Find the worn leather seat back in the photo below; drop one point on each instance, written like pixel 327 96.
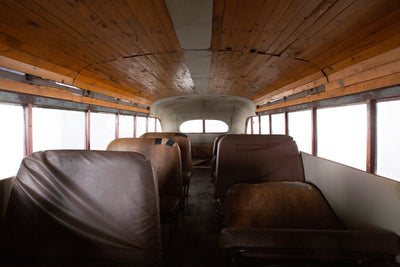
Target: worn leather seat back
pixel 164 155
pixel 184 145
pixel 83 207
pixel 256 159
pixel 215 144
pixel 5 190
pixel 214 156
pixel 278 205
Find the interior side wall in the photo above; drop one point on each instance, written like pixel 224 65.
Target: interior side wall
pixel 361 200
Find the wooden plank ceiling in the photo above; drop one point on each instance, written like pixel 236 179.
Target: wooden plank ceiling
pixel 129 47
pixel 261 46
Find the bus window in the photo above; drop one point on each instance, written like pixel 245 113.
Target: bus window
pixel 141 126
pixel 264 126
pixel 58 129
pixel 215 126
pixel 211 126
pixel 388 142
pixel 125 126
pixel 152 125
pixel 248 125
pixel 192 126
pixel 278 123
pixel 300 129
pixel 158 126
pixel 342 134
pixel 102 130
pixel 256 125
pixel 11 139
pixel 253 121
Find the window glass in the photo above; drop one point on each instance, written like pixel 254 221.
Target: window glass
pixel 264 127
pixel 256 125
pixel 102 130
pixel 11 139
pixel 216 126
pixel 152 125
pixel 158 127
pixel 248 125
pixel 58 129
pixel 300 129
pixel 388 141
pixel 278 123
pixel 140 126
pixel 125 126
pixel 192 126
pixel 342 134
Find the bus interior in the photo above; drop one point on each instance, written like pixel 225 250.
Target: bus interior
pixel 200 132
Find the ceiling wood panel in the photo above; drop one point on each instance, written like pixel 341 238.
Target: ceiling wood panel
pixel 282 23
pixel 126 44
pixel 129 47
pixel 377 72
pixel 30 33
pixel 347 28
pixel 305 17
pixel 382 29
pixel 258 28
pixel 286 41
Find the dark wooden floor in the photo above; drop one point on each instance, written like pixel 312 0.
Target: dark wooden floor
pixel 196 240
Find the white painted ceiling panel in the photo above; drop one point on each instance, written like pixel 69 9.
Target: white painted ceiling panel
pixel 192 20
pixel 198 61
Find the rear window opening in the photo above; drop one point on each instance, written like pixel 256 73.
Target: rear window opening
pixel 204 126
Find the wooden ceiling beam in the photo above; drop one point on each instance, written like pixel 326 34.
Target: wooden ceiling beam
pixel 374 73
pixel 46 91
pixel 7 60
pixel 387 81
pixel 381 53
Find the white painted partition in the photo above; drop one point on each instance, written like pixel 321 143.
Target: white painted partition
pixel 361 200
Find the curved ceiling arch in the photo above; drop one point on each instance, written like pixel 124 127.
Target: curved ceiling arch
pixel 232 110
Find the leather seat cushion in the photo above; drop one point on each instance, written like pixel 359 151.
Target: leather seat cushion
pixel 279 205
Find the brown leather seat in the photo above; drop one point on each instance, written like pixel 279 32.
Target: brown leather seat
pixel 186 154
pixel 278 205
pixel 215 144
pixel 214 156
pixel 293 221
pixel 256 159
pixel 164 155
pixel 5 190
pixel 83 208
